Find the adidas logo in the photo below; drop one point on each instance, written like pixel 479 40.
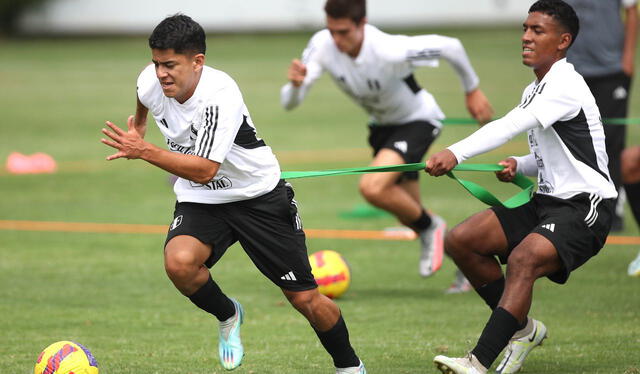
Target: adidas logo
pixel 620 93
pixel 289 276
pixel 549 226
pixel 401 146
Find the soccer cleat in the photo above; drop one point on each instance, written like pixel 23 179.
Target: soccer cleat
pixel 463 365
pixel 460 284
pixel 352 370
pixel 230 348
pixel 432 246
pixel 518 349
pixel 634 267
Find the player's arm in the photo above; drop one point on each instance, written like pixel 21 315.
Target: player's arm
pixel 130 145
pixel 525 165
pixel 452 50
pixel 302 73
pixel 488 137
pixel 630 39
pixel 140 118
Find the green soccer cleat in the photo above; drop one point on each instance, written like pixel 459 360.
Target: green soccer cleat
pixel 230 348
pixel 352 370
pixel 518 349
pixel 634 267
pixel 463 365
pixel 432 246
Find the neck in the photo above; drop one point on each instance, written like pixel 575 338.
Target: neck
pixel 191 91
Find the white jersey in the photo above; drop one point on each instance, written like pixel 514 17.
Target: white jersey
pixel 381 78
pixel 215 124
pixel 569 146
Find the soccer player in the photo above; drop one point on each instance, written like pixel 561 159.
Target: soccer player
pixel 376 70
pixel 565 223
pixel 229 190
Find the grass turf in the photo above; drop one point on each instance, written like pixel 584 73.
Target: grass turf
pixel 109 291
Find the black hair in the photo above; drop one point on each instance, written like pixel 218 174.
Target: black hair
pixel 562 12
pixel 180 33
pixel 355 10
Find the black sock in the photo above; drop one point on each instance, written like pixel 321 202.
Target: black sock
pixel 421 223
pixel 336 342
pixel 211 299
pixel 492 292
pixel 495 336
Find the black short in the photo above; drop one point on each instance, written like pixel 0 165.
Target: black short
pixel 576 229
pixel 268 227
pixel 411 140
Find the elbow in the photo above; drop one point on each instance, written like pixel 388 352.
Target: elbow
pixel 206 173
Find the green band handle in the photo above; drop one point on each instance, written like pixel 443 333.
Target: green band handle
pixel 474 189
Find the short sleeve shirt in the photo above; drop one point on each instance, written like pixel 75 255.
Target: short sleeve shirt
pixel 214 124
pixel 569 145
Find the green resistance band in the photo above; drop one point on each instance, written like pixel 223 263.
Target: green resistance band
pixel 606 121
pixel 474 189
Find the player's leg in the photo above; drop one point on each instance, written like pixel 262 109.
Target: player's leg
pixel 186 261
pixel 325 318
pixel 383 191
pixel 270 231
pixel 533 258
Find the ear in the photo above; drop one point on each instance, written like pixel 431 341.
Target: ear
pixel 565 41
pixel 198 61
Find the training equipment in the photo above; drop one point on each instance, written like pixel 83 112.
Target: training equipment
pixel 432 247
pixel 66 357
pixel 230 348
pixel 462 365
pixel 331 272
pixel 518 349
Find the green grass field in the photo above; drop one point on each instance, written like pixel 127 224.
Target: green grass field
pixel 109 291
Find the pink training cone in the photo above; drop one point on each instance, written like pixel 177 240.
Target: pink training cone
pixel 38 163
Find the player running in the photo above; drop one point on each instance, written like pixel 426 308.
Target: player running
pixel 376 70
pixel 229 190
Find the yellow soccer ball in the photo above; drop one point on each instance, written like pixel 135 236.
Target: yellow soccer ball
pixel 331 272
pixel 66 357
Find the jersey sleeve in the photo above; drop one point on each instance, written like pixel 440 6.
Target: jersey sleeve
pixel 220 121
pixel 552 101
pixel 290 96
pixel 145 84
pixel 427 50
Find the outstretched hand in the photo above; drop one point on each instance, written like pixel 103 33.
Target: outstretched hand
pixel 441 163
pixel 509 172
pixel 297 72
pixel 129 143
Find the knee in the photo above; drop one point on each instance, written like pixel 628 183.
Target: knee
pixel 300 300
pixel 457 242
pixel 521 265
pixel 370 190
pixel 180 264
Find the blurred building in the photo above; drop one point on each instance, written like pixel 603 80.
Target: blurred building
pixel 139 16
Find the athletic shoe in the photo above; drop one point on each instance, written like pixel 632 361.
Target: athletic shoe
pixel 518 349
pixel 464 365
pixel 634 267
pixel 352 370
pixel 460 284
pixel 432 246
pixel 229 346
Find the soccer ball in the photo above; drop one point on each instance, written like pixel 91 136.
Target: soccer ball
pixel 66 358
pixel 331 272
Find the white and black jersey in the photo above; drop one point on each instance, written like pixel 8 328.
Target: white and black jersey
pixel 215 124
pixel 568 148
pixel 380 78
